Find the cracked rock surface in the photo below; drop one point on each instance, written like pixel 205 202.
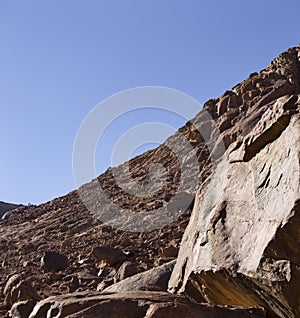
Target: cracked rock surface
pixel 242 244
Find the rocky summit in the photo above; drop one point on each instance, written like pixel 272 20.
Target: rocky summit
pixel 227 244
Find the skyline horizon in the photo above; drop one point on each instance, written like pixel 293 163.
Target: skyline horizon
pixel 59 60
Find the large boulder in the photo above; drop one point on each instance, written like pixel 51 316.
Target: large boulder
pixel 242 244
pixel 137 304
pixel 53 261
pixel 154 279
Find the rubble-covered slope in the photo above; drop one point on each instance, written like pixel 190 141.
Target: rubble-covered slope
pixel 5 207
pixel 241 247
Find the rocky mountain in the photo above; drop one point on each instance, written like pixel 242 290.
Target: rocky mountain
pixel 5 207
pixel 227 200
pixel 242 245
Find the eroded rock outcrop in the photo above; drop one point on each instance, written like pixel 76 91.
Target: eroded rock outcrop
pixel 134 305
pixel 242 245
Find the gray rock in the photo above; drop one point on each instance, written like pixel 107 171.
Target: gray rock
pixel 181 202
pixel 108 255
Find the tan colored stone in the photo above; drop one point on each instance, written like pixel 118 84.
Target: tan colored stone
pixel 154 279
pixel 169 251
pixel 242 244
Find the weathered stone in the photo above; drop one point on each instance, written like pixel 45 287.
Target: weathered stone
pixel 84 278
pixel 22 309
pixel 107 272
pixel 105 284
pixel 136 304
pixel 55 276
pixel 169 251
pixel 18 289
pixel 108 255
pixel 228 100
pixel 281 88
pixel 242 245
pixel 52 261
pixel 127 269
pixel 154 279
pixel 245 249
pixel 181 202
pixel 192 310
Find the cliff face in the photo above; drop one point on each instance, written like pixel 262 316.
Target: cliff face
pixel 242 244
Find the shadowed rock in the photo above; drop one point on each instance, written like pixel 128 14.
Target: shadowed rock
pixel 134 305
pixel 53 261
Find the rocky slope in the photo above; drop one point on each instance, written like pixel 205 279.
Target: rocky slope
pixel 5 207
pixel 241 247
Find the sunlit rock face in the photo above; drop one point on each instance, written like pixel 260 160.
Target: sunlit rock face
pixel 242 244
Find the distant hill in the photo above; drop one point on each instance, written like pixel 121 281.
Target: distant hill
pixel 4 207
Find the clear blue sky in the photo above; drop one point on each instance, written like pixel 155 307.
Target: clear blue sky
pixel 58 59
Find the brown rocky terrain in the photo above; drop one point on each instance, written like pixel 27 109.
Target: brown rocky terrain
pixel 5 207
pixel 238 250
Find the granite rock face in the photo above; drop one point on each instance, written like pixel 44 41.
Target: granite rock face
pixel 242 244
